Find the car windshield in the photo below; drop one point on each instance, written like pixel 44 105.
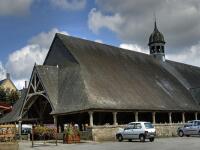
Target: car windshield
pixel 148 125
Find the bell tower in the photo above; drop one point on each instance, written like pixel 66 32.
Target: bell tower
pixel 157 44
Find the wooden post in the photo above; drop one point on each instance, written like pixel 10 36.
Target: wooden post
pixel 20 129
pixel 32 135
pixel 55 119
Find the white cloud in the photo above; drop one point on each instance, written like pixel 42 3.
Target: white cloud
pixel 69 4
pixel 99 41
pixel 20 83
pixel 97 21
pixel 189 56
pixel 2 72
pixel 15 7
pixel 132 20
pixel 44 39
pixel 133 47
pixel 20 63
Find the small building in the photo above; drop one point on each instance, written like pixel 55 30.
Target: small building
pixel 7 84
pixel 97 84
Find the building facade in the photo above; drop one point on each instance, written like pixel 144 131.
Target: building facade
pixel 93 84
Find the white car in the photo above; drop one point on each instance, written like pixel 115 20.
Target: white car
pixel 137 130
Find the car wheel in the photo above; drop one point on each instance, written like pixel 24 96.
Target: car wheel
pixel 180 133
pixel 120 138
pixel 142 138
pixel 130 140
pixel 151 139
pixel 188 135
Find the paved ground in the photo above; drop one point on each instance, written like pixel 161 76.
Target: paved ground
pixel 185 143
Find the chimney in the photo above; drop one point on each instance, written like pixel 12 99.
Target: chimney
pixel 8 76
pixel 26 85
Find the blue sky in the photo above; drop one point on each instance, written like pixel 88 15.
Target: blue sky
pixel 42 17
pixel 27 28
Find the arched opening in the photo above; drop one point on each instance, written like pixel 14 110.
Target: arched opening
pixel 37 110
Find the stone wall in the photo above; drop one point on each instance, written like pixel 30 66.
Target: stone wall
pixel 167 130
pixel 107 133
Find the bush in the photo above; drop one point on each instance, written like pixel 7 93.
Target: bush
pixel 43 132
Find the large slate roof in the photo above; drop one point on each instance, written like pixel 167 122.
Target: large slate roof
pixel 80 75
pixel 99 76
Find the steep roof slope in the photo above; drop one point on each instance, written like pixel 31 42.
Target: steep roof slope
pixel 49 78
pixel 115 78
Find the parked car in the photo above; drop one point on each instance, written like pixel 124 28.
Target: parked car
pixel 190 128
pixel 137 130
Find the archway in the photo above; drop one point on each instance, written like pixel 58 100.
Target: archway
pixel 37 110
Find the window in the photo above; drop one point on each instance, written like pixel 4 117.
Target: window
pixel 138 126
pixel 148 125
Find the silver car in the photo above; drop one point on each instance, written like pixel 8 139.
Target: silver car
pixel 190 128
pixel 137 130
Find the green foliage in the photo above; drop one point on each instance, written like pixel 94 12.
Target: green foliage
pixel 45 131
pixel 9 97
pixel 13 96
pixel 71 131
pixel 2 94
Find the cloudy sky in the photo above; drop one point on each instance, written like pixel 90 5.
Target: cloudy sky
pixel 27 28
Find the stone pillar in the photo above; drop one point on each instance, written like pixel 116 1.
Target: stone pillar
pixel 20 129
pixel 170 117
pixel 196 115
pixel 115 118
pixel 55 120
pixel 91 118
pixel 136 116
pixel 183 117
pixel 154 117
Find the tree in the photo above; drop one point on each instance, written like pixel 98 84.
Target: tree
pixel 10 97
pixel 13 96
pixel 2 94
